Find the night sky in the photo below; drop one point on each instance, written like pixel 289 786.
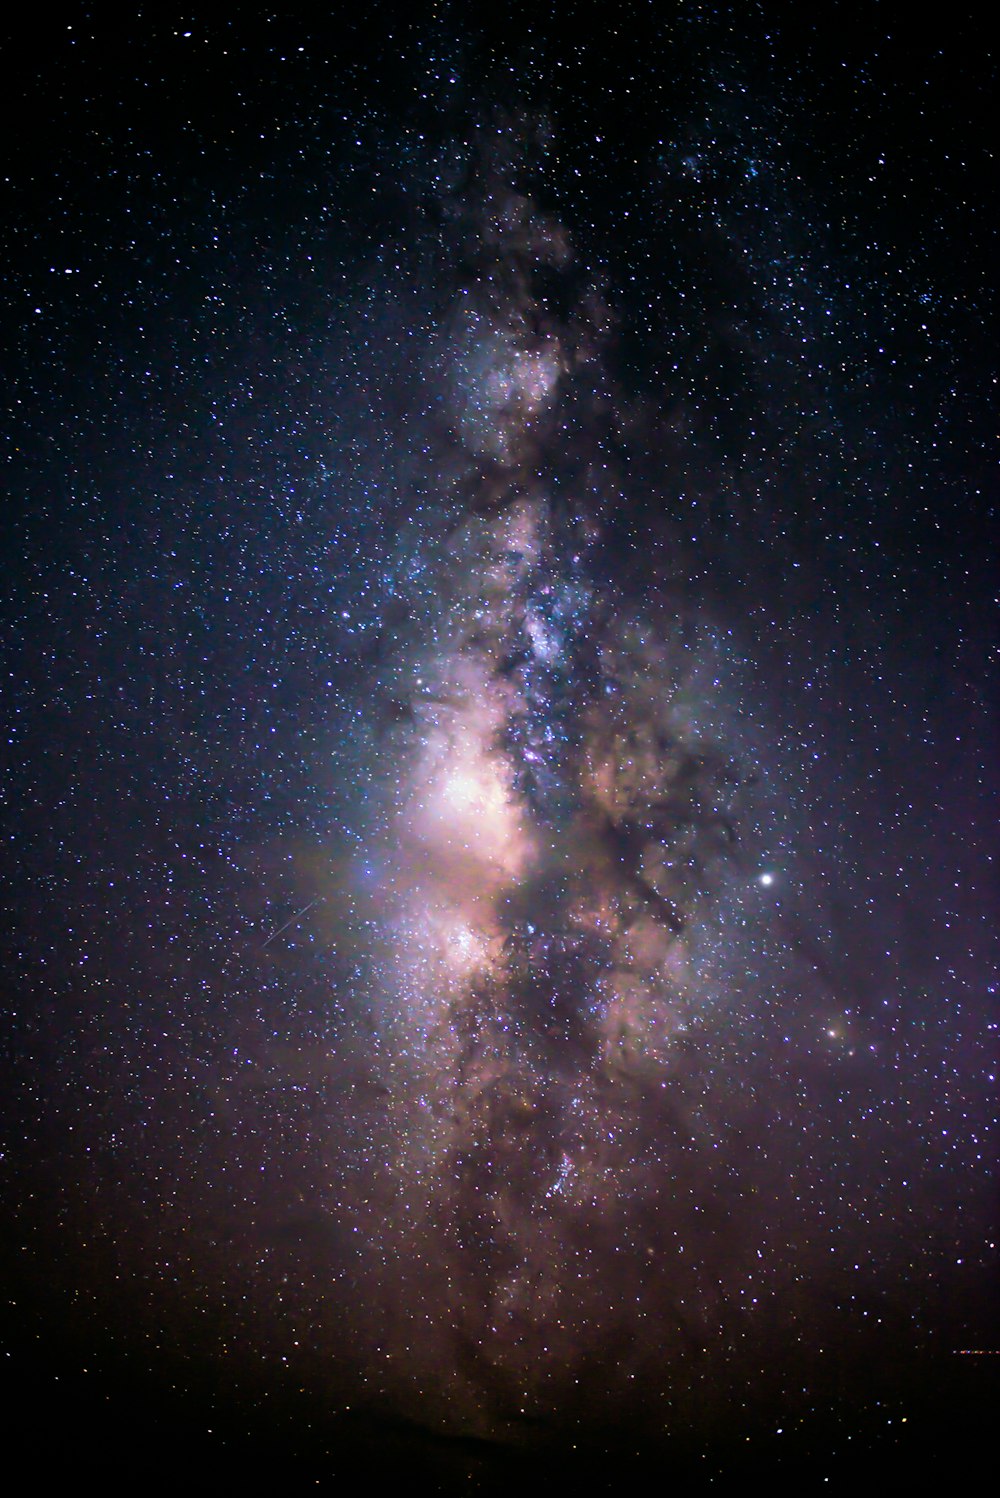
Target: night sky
pixel 499 747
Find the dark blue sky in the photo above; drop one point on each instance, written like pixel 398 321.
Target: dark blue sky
pixel 250 449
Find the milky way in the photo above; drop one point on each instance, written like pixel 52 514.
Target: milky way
pixel 560 829
pixel 498 936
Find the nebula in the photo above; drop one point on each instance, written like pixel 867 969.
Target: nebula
pixel 564 820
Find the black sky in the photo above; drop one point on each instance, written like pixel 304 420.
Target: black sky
pixel 246 475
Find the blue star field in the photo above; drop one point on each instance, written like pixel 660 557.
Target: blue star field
pixel 500 748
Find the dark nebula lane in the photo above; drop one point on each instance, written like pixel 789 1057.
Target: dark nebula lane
pixel 499 924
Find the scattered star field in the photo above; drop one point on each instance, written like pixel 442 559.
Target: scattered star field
pixel 499 685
